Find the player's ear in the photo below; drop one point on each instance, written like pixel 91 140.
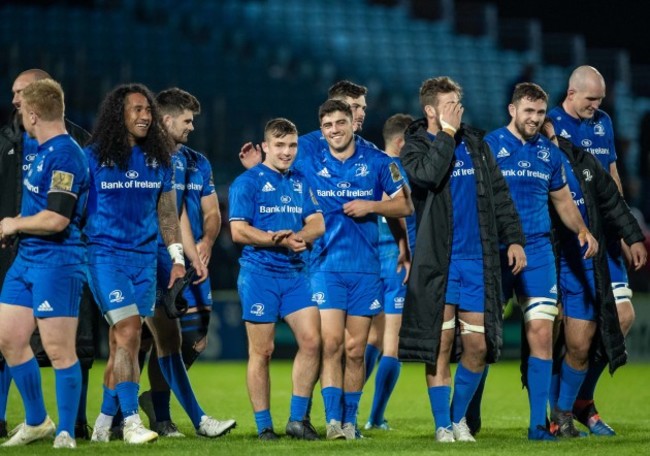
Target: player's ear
pixel 430 111
pixel 265 147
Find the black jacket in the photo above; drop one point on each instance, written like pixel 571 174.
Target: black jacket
pixel 610 220
pixel 11 158
pixel 428 165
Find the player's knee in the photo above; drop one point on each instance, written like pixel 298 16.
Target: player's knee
pixel 127 332
pixel 310 344
pixel 261 353
pixel 626 315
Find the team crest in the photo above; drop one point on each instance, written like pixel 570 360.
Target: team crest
pixel 587 174
pixel 257 309
pixel 599 130
pixel 297 186
pixel 152 162
pixel 318 298
pixel 544 155
pixel 362 170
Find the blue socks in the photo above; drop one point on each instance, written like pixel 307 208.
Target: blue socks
pixel 351 406
pixel 263 420
pixel 554 392
pixel 570 382
pixel 110 403
pixel 589 384
pixel 332 398
pixel 173 369
pixel 68 392
pixel 127 394
pixel 539 384
pixel 439 400
pixel 371 356
pixel 5 383
pixel 28 381
pixel 465 384
pixel 299 406
pixel 387 375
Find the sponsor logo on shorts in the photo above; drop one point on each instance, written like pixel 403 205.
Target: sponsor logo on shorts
pixel 45 307
pixel 319 298
pixel 375 305
pixel 116 296
pixel 399 302
pixel 257 309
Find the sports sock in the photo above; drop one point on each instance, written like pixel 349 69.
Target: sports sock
pixel 387 375
pixel 127 394
pixel 173 369
pixel 570 382
pixel 27 377
pixel 371 356
pixel 539 383
pixel 298 408
pixel 439 400
pixel 5 383
pixel 110 403
pixel 263 420
pixel 554 391
pixel 465 384
pixel 351 406
pixel 332 398
pixel 68 391
pixel 591 379
pixel 83 396
pixel 161 403
pixel 473 412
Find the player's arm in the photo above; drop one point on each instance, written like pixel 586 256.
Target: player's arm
pixel 399 231
pixel 398 205
pixel 211 226
pixel 313 228
pixel 190 247
pixel 570 216
pixel 244 233
pixel 170 231
pixel 613 171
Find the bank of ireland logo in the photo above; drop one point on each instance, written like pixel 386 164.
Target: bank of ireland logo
pixel 524 164
pixel 116 296
pixel 132 174
pixel 399 302
pixel 586 142
pixel 286 199
pixel 318 298
pixel 459 164
pixel 344 185
pixel 257 309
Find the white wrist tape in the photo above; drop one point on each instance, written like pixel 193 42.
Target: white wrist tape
pixel 445 125
pixel 176 252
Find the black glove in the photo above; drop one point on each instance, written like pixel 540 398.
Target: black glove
pixel 174 303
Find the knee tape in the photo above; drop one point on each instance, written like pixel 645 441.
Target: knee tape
pixel 449 324
pixel 622 291
pixel 539 309
pixel 194 328
pixel 466 328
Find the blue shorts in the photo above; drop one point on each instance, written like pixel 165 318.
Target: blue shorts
pixel 465 285
pixel 537 280
pixel 356 294
pixel 578 289
pixel 123 291
pixel 49 291
pixel 199 295
pixel 269 298
pixel 394 294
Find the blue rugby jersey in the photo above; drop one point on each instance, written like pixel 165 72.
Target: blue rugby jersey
pixel 271 201
pixel 59 165
pixel 314 142
pixel 532 170
pixel 596 135
pixel 572 246
pixel 30 152
pixel 349 244
pixel 388 249
pixel 122 225
pixel 200 183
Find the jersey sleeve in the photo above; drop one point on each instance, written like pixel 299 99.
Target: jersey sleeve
pixel 558 174
pixel 310 204
pixel 390 175
pixel 167 178
pixel 208 178
pixel 241 200
pixel 67 173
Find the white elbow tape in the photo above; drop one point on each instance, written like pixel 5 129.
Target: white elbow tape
pixel 176 252
pixel 466 328
pixel 449 324
pixel 622 291
pixel 539 309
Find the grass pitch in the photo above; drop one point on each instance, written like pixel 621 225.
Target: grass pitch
pixel 623 401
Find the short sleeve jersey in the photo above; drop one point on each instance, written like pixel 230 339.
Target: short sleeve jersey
pixel 271 201
pixel 200 183
pixel 122 225
pixel 59 165
pixel 572 247
pixel 596 135
pixel 349 244
pixel 532 170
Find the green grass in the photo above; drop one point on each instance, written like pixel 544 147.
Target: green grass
pixel 221 387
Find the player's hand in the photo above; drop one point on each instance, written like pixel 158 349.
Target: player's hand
pixel 201 271
pixel 404 262
pixel 585 237
pixel 295 243
pixel 278 236
pixel 178 272
pixel 358 208
pixel 205 251
pixel 450 115
pixel 516 258
pixel 638 255
pixel 250 155
pixel 7 227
